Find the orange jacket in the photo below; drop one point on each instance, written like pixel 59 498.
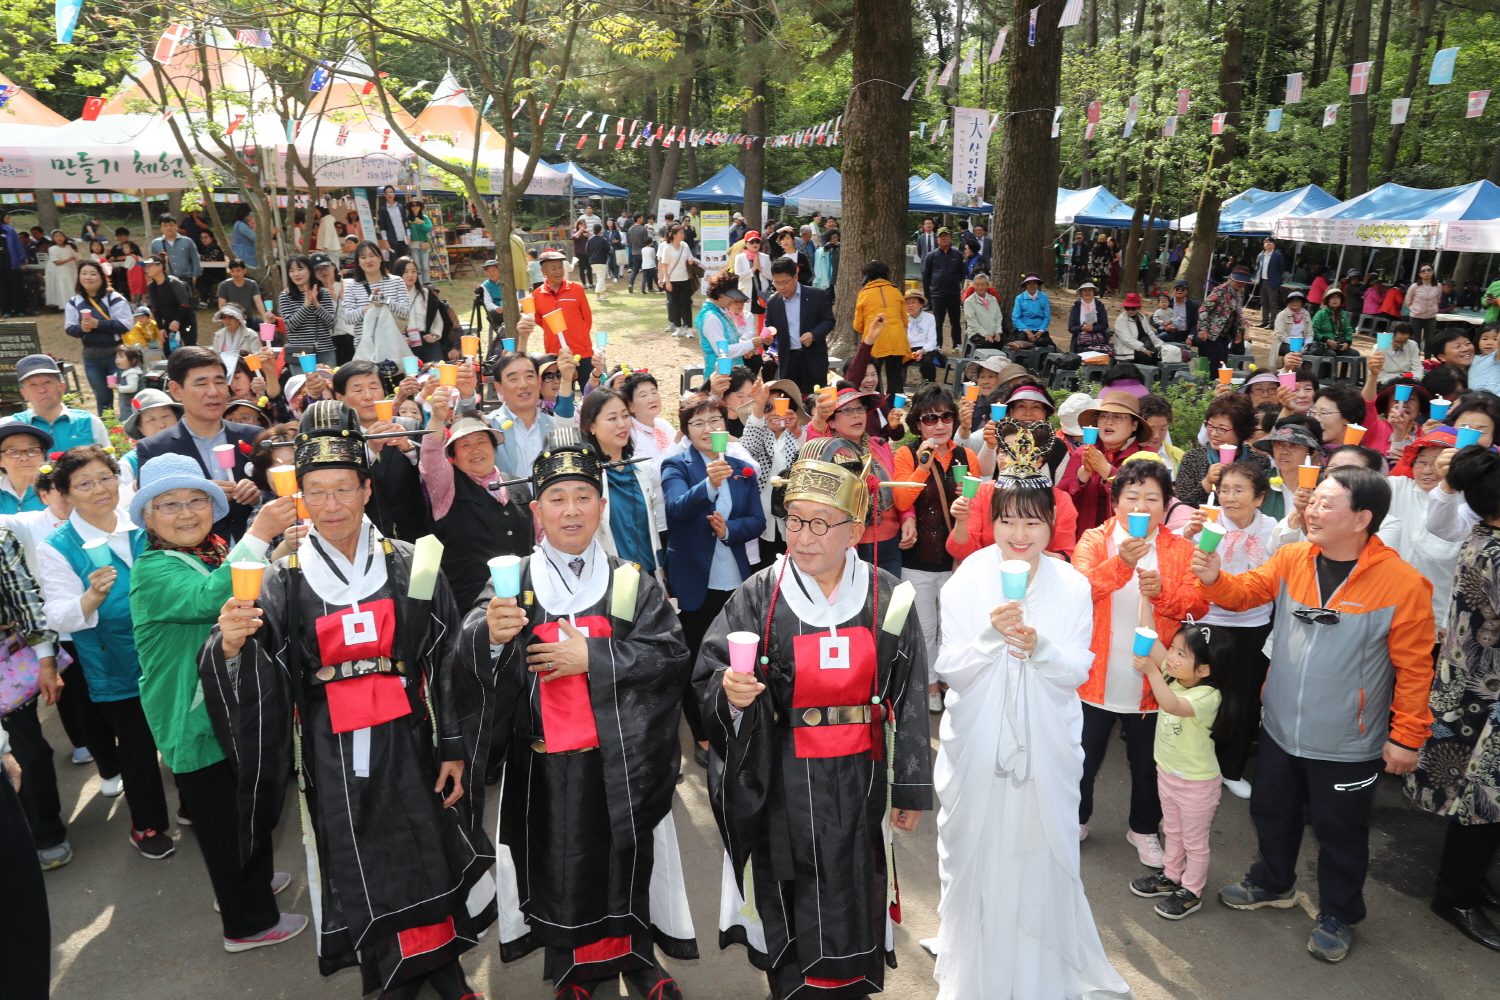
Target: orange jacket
pixel 1328 691
pixel 981 530
pixel 1179 598
pixel 570 298
pixel 908 471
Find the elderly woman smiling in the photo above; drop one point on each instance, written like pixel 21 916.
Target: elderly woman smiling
pixel 177 587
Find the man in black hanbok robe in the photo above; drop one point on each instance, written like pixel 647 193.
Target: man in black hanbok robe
pixel 343 672
pixel 589 667
pixel 817 748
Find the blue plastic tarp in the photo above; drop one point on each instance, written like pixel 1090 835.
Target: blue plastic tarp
pixel 1477 201
pixel 1095 207
pixel 727 187
pixel 935 194
pixel 822 192
pixel 585 183
pixel 1254 212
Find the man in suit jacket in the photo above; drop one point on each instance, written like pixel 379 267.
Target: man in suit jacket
pixel 391 221
pixel 802 339
pixel 1270 271
pixel 926 239
pixel 1184 316
pixel 397 506
pixel 196 379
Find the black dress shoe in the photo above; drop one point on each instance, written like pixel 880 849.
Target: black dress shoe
pixel 653 984
pixel 1472 924
pixel 451 984
pixel 1488 896
pixel 700 755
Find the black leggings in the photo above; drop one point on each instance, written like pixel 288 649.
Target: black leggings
pixel 1140 741
pixel 1247 673
pixel 246 904
pixel 680 303
pixel 695 625
pixel 38 793
pixel 1468 852
pixel 892 368
pixel 124 721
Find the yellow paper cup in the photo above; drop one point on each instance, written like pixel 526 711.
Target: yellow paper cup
pixel 470 346
pixel 283 479
pixel 245 578
pixel 385 409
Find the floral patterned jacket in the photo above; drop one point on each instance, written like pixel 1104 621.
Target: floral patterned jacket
pixel 1220 317
pixel 1459 772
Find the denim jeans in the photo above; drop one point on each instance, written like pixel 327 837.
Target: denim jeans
pixel 635 269
pixel 97 370
pixel 422 258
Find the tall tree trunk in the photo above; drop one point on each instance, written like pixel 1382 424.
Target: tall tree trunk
pixel 753 156
pixel 1335 35
pixel 1418 50
pixel 1318 24
pixel 1026 197
pixel 877 153
pixel 1377 78
pixel 1360 130
pixel 653 158
pixel 958 46
pixel 1140 28
pixel 1257 82
pixel 1130 265
pixel 672 160
pixel 1091 45
pixel 1231 85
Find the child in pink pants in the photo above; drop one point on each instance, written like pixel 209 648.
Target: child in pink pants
pixel 1188 689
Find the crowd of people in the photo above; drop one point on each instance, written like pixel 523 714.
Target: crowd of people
pixel 403 570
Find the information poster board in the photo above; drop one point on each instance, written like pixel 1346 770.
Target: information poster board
pixel 366 220
pixel 17 339
pixel 713 239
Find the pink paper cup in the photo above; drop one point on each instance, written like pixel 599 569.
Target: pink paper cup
pixel 742 647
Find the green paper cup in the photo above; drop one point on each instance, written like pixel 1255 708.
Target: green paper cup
pixel 971 487
pixel 1210 537
pixel 720 441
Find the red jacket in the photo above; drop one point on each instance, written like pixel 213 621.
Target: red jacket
pixel 570 298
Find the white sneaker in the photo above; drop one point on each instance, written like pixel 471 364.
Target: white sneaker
pixel 671 328
pixel 1241 787
pixel 1083 832
pixel 1147 847
pixel 111 787
pixel 934 701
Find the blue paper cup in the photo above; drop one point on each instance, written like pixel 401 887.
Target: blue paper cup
pixel 997 411
pixel 1013 577
pixel 1467 436
pixel 724 365
pixel 411 364
pixel 1139 524
pixel 899 402
pixel 98 552
pixel 1383 341
pixel 505 573
pixel 601 338
pixel 1091 435
pixel 1403 393
pixel 1439 410
pixel 309 363
pixel 1295 343
pixel 508 343
pixel 1144 639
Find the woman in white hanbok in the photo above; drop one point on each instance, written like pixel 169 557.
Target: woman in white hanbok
pixel 1014 919
pixel 62 270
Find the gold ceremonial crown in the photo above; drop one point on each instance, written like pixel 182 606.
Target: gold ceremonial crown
pixel 1027 454
pixel 832 484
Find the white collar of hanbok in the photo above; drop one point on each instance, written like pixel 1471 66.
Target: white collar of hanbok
pixel 340 581
pixel 805 597
pixel 560 592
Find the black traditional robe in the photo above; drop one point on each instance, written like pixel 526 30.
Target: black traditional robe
pixel 400 886
pixel 589 778
pixel 805 806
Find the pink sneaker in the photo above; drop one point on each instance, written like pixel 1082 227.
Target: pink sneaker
pixel 288 927
pixel 1148 847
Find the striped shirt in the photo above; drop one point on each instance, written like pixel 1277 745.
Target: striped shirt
pixel 357 295
pixel 308 330
pixel 20 598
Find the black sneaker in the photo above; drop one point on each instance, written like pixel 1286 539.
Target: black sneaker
pixel 1178 905
pixel 1155 884
pixel 151 844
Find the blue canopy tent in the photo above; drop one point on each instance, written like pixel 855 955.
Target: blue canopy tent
pixel 935 194
pixel 585 183
pixel 822 192
pixel 727 187
pixel 1095 207
pixel 1254 212
pixel 1395 203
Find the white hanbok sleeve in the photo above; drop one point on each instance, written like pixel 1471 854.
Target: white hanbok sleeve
pixel 1449 516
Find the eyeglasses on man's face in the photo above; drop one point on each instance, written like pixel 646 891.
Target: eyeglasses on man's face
pixel 344 495
pixel 816 525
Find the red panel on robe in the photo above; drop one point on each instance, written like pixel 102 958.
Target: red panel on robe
pixel 418 940
pixel 364 701
pixel 604 949
pixel 832 984
pixel 567 710
pixel 357 635
pixel 821 684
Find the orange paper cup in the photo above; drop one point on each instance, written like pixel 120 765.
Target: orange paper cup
pixel 470 346
pixel 1307 476
pixel 302 510
pixel 782 405
pixel 246 577
pixel 283 479
pixel 252 361
pixel 528 304
pixel 971 393
pixel 1354 434
pixel 1225 374
pixel 447 374
pixel 385 409
pixel 1209 511
pixel 555 322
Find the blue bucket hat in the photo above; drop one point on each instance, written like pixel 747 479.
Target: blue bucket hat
pixel 165 473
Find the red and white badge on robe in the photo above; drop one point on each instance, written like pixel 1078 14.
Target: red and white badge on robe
pixel 567 709
pixel 362 632
pixel 833 669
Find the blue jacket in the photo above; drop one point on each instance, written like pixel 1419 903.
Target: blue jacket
pixel 943 273
pixel 690 540
pixel 1277 270
pixel 1031 314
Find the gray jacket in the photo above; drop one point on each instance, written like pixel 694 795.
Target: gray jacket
pixel 182 256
